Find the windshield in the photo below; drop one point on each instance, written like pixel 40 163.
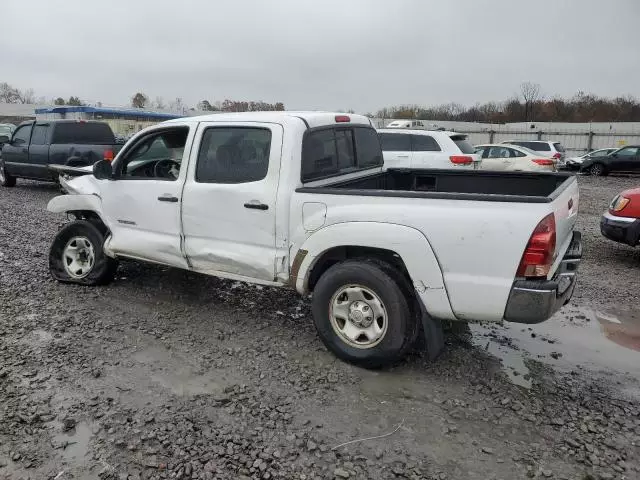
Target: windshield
pixel 462 143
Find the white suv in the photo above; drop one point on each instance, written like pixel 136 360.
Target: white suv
pixel 427 149
pixel 546 148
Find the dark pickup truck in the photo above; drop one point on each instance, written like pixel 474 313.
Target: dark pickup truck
pixel 36 145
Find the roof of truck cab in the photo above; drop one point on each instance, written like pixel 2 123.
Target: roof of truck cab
pixel 312 119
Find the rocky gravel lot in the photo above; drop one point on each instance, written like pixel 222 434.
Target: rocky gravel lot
pixel 169 374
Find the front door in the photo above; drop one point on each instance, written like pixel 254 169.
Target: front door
pixel 625 159
pixel 15 154
pixel 142 204
pixel 229 200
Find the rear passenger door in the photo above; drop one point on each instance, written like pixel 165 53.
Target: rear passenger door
pixel 625 159
pixel 229 199
pixel 426 153
pixel 396 149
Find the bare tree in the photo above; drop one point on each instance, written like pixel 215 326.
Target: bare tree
pixel 159 103
pixel 27 96
pixel 9 94
pixel 177 105
pixel 531 95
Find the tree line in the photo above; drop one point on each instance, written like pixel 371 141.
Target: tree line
pixel 140 100
pixel 529 105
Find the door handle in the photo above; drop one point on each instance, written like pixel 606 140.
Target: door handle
pixel 167 197
pixel 256 205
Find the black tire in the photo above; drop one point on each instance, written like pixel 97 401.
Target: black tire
pixel 104 268
pixel 597 170
pixel 6 179
pixel 386 283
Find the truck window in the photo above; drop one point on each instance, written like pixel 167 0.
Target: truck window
pixel 156 156
pixel 39 136
pixel 395 142
pixel 233 155
pixel 87 133
pixel 330 151
pixel 22 134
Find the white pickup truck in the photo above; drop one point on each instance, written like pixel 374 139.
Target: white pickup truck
pixel 301 200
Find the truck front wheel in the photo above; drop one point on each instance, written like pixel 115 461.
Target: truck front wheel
pixel 362 314
pixel 76 255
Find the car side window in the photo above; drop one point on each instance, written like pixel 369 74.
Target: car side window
pixel 39 136
pixel 480 151
pixel 156 156
pixel 21 135
pixel 628 152
pixel 498 152
pixel 424 143
pixel 233 155
pixel 516 153
pixel 395 142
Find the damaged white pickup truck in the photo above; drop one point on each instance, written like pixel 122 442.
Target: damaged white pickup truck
pixel 302 200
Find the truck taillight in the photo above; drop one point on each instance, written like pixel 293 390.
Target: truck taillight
pixel 461 159
pixel 543 161
pixel 538 256
pixel 108 155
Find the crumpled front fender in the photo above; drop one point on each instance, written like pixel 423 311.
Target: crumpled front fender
pixel 71 203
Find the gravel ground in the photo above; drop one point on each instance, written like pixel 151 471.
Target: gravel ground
pixel 169 374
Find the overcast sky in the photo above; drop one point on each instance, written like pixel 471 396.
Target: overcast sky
pixel 320 54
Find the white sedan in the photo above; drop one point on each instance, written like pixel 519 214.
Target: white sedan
pixel 513 158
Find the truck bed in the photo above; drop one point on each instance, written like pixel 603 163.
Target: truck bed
pixel 521 187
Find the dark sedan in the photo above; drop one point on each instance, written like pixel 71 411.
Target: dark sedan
pixel 625 159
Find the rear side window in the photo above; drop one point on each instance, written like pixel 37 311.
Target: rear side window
pixel 84 133
pixel 233 155
pixel 462 143
pixel 424 143
pixel 559 147
pixel 539 146
pixel 39 136
pixel 395 142
pixel 333 151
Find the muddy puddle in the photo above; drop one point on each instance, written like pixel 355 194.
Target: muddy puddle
pixel 598 341
pixel 73 445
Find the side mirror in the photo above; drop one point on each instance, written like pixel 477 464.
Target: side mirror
pixel 102 170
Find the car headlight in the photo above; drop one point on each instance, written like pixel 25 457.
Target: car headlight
pixel 618 203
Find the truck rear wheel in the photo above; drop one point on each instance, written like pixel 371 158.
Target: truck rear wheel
pixel 76 255
pixel 363 315
pixel 6 179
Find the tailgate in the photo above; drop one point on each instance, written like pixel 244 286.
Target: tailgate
pixel 565 210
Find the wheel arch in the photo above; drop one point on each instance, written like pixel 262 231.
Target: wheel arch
pixel 404 247
pixel 83 207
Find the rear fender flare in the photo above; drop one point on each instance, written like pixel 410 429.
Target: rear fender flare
pixel 410 244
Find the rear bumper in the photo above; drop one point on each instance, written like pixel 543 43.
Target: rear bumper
pixel 534 301
pixel 620 229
